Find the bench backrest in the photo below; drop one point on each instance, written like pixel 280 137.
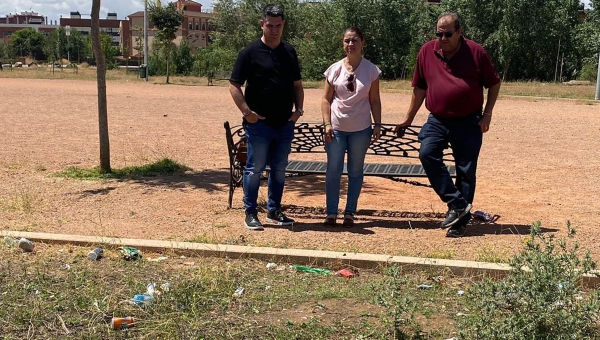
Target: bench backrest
pixel 308 138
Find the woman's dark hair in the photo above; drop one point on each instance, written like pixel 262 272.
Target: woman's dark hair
pixel 273 10
pixel 356 30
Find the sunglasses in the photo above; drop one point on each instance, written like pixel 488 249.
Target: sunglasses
pixel 444 34
pixel 350 83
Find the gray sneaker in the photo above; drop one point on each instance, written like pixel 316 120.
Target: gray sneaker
pixel 454 215
pixel 253 223
pixel 279 218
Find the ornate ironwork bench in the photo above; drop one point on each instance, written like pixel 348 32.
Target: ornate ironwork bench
pixel 218 75
pixel 308 138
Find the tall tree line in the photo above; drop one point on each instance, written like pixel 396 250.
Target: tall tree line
pixel 527 39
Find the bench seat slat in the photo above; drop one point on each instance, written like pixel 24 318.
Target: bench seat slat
pixel 373 169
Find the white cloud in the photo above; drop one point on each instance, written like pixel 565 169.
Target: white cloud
pixel 53 9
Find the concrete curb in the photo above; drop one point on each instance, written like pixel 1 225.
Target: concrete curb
pixel 296 256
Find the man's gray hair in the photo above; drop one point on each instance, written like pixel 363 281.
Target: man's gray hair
pixel 454 18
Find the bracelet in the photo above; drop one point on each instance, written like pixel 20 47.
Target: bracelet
pixel 326 124
pixel 487 114
pixel 246 113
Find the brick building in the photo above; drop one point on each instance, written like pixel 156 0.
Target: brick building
pixel 194 27
pixel 11 23
pixel 111 26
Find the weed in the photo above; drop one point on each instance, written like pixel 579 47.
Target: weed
pixel 539 299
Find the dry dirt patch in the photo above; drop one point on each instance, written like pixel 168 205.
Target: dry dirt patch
pixel 539 162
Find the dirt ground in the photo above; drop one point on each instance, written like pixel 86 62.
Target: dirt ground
pixel 539 161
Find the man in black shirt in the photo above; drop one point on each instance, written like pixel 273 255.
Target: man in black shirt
pixel 271 71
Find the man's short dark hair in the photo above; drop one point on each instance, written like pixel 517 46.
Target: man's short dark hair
pixel 273 10
pixel 454 18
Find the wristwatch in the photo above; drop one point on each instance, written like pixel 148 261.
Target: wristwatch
pixel 300 111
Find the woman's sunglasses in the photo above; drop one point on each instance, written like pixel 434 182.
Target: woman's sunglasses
pixel 350 83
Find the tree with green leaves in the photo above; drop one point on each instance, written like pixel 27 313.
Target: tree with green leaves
pixel 28 42
pixel 167 20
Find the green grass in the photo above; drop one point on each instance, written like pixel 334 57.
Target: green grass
pixel 38 288
pixel 518 88
pixel 158 168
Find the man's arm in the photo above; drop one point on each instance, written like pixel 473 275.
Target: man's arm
pixel 238 98
pixel 416 100
pixel 298 100
pixel 492 95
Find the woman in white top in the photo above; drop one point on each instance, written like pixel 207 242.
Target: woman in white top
pixel 351 98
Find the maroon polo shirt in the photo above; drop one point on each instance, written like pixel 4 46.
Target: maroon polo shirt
pixel 454 86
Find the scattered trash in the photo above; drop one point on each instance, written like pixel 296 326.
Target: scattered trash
pixel 345 273
pixel 130 253
pixel 485 217
pixel 122 323
pixel 424 286
pixel 271 265
pixel 461 292
pixel 11 242
pixel 267 287
pixel 95 254
pixel 311 270
pixel 238 292
pixel 67 266
pixel 26 245
pixel 563 285
pixel 142 300
pixel 158 259
pixel 165 287
pixel 189 263
pixel 438 279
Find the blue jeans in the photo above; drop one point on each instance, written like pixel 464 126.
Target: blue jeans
pixel 464 137
pixel 266 145
pixel 356 144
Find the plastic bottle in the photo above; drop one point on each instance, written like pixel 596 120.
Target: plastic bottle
pixel 142 300
pixel 96 254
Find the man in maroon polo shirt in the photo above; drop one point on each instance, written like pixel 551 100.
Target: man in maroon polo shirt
pixel 450 75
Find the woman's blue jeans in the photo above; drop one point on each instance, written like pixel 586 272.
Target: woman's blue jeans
pixel 266 146
pixel 356 145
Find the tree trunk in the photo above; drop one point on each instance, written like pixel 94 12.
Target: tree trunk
pixel 101 80
pixel 168 55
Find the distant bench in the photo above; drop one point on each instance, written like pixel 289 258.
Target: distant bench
pixel 219 75
pixel 308 138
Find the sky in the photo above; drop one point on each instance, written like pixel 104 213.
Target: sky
pixel 53 9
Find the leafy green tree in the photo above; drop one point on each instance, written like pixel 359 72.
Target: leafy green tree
pixel 183 58
pixel 77 46
pixel 212 59
pixel 28 42
pixel 167 20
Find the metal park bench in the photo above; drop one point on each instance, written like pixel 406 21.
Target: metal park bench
pixel 219 75
pixel 308 138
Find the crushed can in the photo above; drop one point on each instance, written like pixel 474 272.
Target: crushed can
pixel 482 215
pixel 96 254
pixel 121 323
pixel 26 245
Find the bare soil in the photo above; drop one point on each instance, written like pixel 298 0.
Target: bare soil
pixel 539 162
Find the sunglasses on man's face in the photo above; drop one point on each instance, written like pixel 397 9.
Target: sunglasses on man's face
pixel 350 83
pixel 444 34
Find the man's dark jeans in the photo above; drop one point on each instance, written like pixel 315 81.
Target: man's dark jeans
pixel 464 137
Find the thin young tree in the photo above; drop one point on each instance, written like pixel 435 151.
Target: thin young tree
pixel 101 80
pixel 167 20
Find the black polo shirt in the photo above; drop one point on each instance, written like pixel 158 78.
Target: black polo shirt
pixel 269 75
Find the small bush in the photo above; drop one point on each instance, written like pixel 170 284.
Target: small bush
pixel 539 299
pixel 589 72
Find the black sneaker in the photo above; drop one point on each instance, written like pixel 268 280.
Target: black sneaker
pixel 456 230
pixel 279 218
pixel 454 215
pixel 253 223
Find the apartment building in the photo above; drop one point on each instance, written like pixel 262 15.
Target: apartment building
pixel 13 22
pixel 194 27
pixel 111 26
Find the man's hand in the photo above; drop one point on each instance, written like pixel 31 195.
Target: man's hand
pixel 295 116
pixel 399 129
pixel 484 123
pixel 253 117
